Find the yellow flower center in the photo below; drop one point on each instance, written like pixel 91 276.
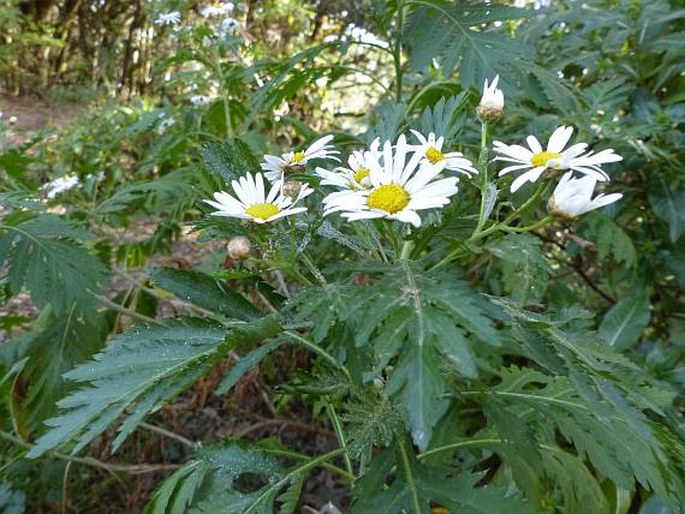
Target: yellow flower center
pixel 390 198
pixel 361 174
pixel 542 158
pixel 297 157
pixel 262 211
pixel 434 155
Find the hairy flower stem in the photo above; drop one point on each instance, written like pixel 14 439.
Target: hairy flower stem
pixel 397 53
pixel 483 175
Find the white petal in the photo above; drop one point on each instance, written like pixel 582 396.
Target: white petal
pixel 534 144
pixel 362 215
pixel 529 176
pixel 513 168
pixel 407 216
pixel 286 212
pixel 273 192
pixel 603 200
pixel 559 139
pixel 515 151
pixel 318 144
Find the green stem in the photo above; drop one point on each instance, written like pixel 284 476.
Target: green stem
pixel 313 269
pixel 294 455
pixel 459 444
pixel 407 247
pixel 340 434
pixel 290 477
pixel 317 350
pixel 411 482
pixel 544 221
pixel 503 226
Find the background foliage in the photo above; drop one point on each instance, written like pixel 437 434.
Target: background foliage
pixel 538 372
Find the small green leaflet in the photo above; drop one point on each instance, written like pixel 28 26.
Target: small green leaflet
pixel 669 205
pixel 624 323
pixel 416 487
pixel 525 271
pixel 205 291
pixel 213 482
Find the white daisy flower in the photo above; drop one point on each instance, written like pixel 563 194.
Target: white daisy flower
pixel 170 18
pixel 573 196
pixel 431 149
pixel 355 177
pixel 492 102
pixel 555 157
pixel 60 185
pixel 253 204
pixel 399 188
pixel 164 125
pixel 217 9
pixel 277 167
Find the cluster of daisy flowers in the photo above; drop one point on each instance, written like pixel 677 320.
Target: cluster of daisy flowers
pixel 390 181
pixel 394 181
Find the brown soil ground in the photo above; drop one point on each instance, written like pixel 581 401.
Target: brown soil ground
pixel 33 114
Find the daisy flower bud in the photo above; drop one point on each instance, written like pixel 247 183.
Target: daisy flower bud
pixel 491 106
pixel 239 248
pixel 292 188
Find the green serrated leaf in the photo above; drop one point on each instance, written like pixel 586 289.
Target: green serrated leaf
pixel 42 255
pixel 146 366
pixel 455 32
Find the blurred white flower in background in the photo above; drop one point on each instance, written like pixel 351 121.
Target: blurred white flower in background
pixel 170 18
pixel 361 35
pixel 228 27
pixel 60 185
pixel 217 9
pixel 200 100
pixel 164 125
